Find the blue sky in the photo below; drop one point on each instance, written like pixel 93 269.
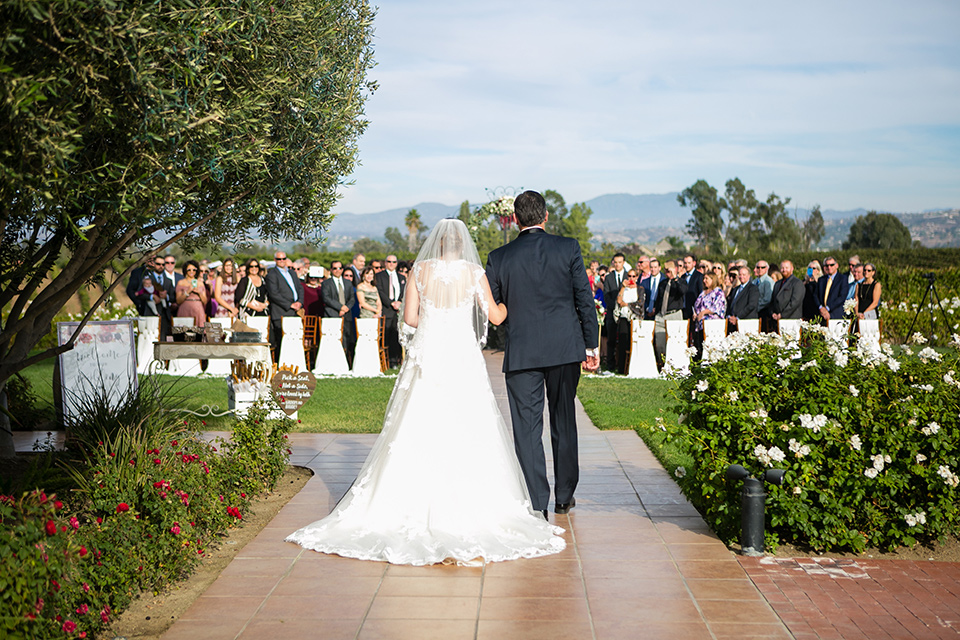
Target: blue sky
pixel 846 104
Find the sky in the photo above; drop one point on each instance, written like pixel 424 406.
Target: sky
pixel 845 104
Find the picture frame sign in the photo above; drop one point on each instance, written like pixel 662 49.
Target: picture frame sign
pixel 102 363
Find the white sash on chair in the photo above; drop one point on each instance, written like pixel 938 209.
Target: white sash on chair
pixel 149 330
pixel 714 329
pixel 331 358
pixel 748 326
pixel 366 359
pixel 643 362
pixel 790 328
pixel 291 349
pixel 676 354
pixel 839 328
pixel 870 331
pixel 220 366
pixel 184 366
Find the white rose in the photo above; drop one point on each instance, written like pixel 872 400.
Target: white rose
pixel 871 473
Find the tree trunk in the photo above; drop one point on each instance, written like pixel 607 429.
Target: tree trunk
pixel 7 449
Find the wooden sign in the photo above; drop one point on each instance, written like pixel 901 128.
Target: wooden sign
pixel 292 390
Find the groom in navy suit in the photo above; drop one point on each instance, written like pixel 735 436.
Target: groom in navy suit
pixel 551 328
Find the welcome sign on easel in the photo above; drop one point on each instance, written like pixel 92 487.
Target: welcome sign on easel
pixel 102 363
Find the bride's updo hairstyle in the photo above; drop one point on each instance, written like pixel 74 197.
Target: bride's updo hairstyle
pixel 530 209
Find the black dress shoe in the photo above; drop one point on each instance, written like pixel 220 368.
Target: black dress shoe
pixel 564 507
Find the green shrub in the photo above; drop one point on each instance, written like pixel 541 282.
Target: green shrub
pixel 147 499
pixel 870 443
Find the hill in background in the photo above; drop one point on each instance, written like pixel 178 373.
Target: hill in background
pixel 621 218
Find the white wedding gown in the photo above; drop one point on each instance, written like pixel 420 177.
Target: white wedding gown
pixel 442 482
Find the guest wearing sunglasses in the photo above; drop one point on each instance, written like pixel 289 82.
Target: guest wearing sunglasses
pixel 192 294
pixel 868 294
pixel 251 292
pixel 832 291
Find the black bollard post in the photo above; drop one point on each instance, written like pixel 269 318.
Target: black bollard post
pixel 752 500
pixel 752 505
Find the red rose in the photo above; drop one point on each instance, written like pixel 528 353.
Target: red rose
pixel 123 506
pixel 157 461
pixel 57 505
pixel 74 523
pixel 69 626
pixel 83 609
pixel 83 552
pixel 175 529
pixel 51 528
pixel 99 520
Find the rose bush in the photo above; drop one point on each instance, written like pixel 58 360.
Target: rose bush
pixel 870 442
pixel 138 520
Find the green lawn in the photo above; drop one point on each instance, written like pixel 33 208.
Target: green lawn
pixel 348 405
pixel 621 403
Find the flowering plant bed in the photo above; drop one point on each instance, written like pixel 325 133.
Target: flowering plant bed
pixel 144 508
pixel 870 441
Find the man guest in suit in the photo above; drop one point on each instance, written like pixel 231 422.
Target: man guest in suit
pixel 788 295
pixel 832 291
pixel 650 284
pixel 551 328
pixel 668 306
pixel 611 289
pixel 390 285
pixel 338 296
pixel 285 293
pixel 743 302
pixel 693 279
pixel 166 288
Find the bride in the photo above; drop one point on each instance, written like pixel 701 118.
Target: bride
pixel 442 482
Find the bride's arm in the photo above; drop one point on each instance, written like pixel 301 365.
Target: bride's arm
pixel 497 313
pixel 411 303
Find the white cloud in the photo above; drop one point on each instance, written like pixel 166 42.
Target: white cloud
pixel 847 104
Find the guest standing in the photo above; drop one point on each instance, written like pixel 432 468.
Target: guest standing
pixel 831 291
pixel 788 294
pixel 711 304
pixel 192 294
pixel 368 297
pixel 811 300
pixel 285 294
pixel 629 300
pixel 338 296
pixel 251 292
pixel 868 294
pixel 391 285
pixel 225 289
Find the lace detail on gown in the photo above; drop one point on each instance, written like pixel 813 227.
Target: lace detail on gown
pixel 442 481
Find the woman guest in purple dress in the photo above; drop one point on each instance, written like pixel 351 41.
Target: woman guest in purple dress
pixel 710 304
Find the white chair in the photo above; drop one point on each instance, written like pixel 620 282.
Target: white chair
pixel 748 326
pixel 643 362
pixel 291 348
pixel 870 332
pixel 715 329
pixel 839 328
pixel 366 359
pixel 677 334
pixel 331 358
pixel 790 328
pixel 220 367
pixel 186 367
pixel 149 332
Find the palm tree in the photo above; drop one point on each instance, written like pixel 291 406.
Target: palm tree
pixel 414 227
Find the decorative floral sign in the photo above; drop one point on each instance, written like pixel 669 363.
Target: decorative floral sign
pixel 292 390
pixel 102 362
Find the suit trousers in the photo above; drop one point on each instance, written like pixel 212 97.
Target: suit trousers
pixel 391 335
pixel 525 390
pixel 610 324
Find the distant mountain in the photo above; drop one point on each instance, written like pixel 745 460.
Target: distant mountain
pixel 622 218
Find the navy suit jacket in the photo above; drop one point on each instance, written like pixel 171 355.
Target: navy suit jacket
pixel 551 316
pixel 694 289
pixel 838 294
pixel 651 294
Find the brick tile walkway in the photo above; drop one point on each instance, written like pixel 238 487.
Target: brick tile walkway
pixel 640 563
pixel 861 599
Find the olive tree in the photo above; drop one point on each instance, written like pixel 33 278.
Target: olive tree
pixel 126 126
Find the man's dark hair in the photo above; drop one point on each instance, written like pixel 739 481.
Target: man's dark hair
pixel 690 255
pixel 619 255
pixel 335 262
pixel 530 209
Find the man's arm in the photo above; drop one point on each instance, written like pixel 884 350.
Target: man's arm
pixel 795 300
pixel 493 280
pixel 586 309
pixel 751 309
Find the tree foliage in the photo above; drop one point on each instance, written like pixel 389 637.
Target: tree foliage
pixel 194 120
pixel 812 228
pixel 878 231
pixel 576 224
pixel 415 228
pixel 557 207
pixel 739 222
